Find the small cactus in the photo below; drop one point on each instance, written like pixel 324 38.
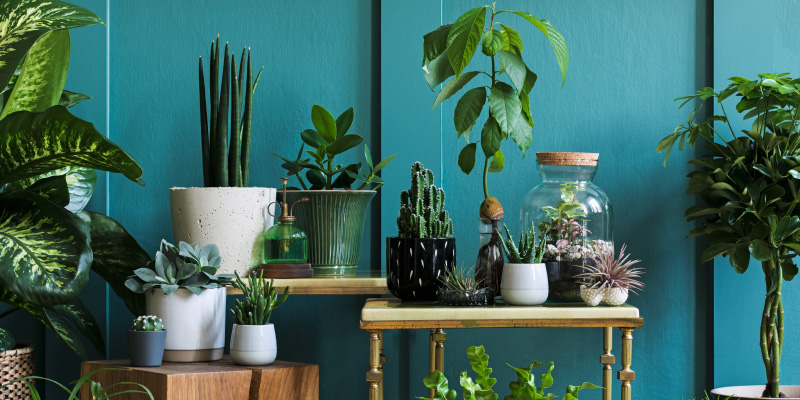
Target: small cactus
pixel 147 323
pixel 422 213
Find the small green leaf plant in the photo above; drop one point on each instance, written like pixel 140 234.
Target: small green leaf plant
pixel 148 323
pixel 528 252
pixel 185 266
pixel 481 388
pixel 422 213
pixel 226 124
pixel 329 139
pixel 460 279
pixel 260 299
pixel 97 390
pixel 448 50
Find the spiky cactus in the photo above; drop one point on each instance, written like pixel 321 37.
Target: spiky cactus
pixel 527 252
pixel 147 323
pixel 422 213
pixel 260 298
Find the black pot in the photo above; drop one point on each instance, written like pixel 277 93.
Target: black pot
pixel 414 266
pixel 563 284
pixel 467 298
pixel 146 348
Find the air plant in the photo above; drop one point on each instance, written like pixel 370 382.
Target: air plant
pixel 528 252
pixel 460 278
pixel 609 272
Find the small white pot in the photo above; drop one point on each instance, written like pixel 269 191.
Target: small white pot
pixel 195 324
pixel 615 296
pixel 524 284
pixel 253 344
pixel 754 392
pixel 233 218
pixel 591 296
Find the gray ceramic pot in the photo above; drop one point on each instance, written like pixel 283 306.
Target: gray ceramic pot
pixel 146 348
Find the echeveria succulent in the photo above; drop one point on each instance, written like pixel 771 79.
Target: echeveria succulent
pixel 186 266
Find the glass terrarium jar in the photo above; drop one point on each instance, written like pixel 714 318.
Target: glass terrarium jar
pixel 573 215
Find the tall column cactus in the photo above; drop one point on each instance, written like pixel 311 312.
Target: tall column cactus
pixel 422 213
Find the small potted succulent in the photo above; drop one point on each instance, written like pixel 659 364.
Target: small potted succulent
pixel 610 279
pixel 524 280
pixel 146 341
pixel 333 218
pixel 181 288
pixel 461 288
pixel 253 339
pixel 424 248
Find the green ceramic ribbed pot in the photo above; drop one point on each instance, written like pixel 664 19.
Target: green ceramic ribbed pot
pixel 334 223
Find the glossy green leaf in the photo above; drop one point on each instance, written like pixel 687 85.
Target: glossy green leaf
pixel 760 250
pixel 525 103
pixel 437 381
pixel 492 42
pixel 37 143
pixel 463 38
pixel 479 361
pixel 512 41
pixel 453 87
pixel 53 188
pixel 344 143
pixel 344 121
pixel 434 43
pixel 554 36
pixel 466 158
pixel 515 68
pixel 69 99
pixel 41 81
pixel 22 22
pixel 77 316
pixel 498 162
pixel 80 183
pixel 468 109
pixel 789 270
pixel 505 106
pixel 491 136
pixel 438 70
pixel 530 81
pixel 312 138
pixel 324 122
pixel 522 135
pixel 7 341
pixel 716 250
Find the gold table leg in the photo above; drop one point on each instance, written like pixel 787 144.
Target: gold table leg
pixel 431 358
pixel 382 361
pixel 607 359
pixel 626 374
pixel 374 375
pixel 440 337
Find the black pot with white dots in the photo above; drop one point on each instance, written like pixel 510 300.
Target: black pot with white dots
pixel 414 266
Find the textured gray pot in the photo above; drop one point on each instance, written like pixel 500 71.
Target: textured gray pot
pixel 146 348
pixel 753 392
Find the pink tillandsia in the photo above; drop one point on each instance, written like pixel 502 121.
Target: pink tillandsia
pixel 610 272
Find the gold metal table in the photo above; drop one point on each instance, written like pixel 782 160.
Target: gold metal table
pixel 384 314
pixel 362 283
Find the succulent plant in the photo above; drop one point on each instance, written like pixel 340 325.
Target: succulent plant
pixel 260 298
pixel 224 164
pixel 528 252
pixel 610 272
pixel 187 267
pixel 147 323
pixel 422 213
pixel 460 278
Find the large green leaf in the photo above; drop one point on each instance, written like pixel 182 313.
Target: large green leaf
pixel 69 99
pixel 555 37
pixel 438 70
pixel 453 87
pixel 492 42
pixel 7 341
pixel 468 109
pixel 505 106
pixel 53 188
pixel 37 143
pixel 479 361
pixel 44 249
pixel 498 162
pixel 324 122
pixel 522 136
pixel 434 43
pixel 41 82
pixel 490 137
pixel 80 183
pixel 22 22
pixel 466 158
pixel 463 38
pixel 515 68
pixel 512 41
pixel 116 256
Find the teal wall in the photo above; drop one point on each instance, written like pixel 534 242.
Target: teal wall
pixel 628 61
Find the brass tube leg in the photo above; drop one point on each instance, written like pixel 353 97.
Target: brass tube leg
pixel 440 337
pixel 382 361
pixel 374 375
pixel 626 374
pixel 607 359
pixel 431 358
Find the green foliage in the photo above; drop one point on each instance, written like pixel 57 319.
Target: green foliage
pixel 7 341
pixel 148 323
pixel 329 140
pixel 528 252
pixel 561 223
pixel 191 268
pixel 481 389
pixel 97 391
pixel 448 50
pixel 260 298
pixel 422 213
pixel 460 278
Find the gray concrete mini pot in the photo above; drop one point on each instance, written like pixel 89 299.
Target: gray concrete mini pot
pixel 146 348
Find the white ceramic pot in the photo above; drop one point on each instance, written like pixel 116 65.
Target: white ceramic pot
pixel 195 323
pixel 754 392
pixel 615 296
pixel 591 296
pixel 524 284
pixel 233 218
pixel 253 344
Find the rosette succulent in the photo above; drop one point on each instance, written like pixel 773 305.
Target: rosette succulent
pixel 185 266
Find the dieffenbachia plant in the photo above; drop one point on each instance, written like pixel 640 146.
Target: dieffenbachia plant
pixel 749 187
pixel 48 243
pixel 449 49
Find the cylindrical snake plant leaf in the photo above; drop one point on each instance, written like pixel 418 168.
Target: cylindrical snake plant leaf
pixel 204 127
pixel 221 146
pixel 214 100
pixel 234 152
pixel 247 122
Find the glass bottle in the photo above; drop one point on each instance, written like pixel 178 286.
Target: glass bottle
pixel 285 242
pixel 489 266
pixel 573 215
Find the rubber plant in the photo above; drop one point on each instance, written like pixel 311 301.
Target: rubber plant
pixel 749 187
pixel 48 243
pixel 448 50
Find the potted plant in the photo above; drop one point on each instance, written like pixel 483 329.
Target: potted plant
pixel 96 389
pixel 747 184
pixel 524 276
pixel 225 211
pixel 146 341
pixel 424 248
pixel 333 218
pixel 610 279
pixel 253 339
pixel 181 288
pixel 460 288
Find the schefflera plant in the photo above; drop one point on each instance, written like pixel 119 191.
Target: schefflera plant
pixel 449 49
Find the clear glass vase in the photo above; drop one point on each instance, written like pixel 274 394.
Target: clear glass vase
pixel 572 214
pixel 489 265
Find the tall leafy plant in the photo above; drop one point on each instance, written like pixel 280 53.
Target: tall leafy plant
pixel 48 243
pixel 749 187
pixel 448 50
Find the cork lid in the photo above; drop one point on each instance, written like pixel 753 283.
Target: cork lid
pixel 559 158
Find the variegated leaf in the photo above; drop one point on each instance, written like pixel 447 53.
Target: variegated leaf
pixel 80 182
pixel 32 144
pixel 7 341
pixel 75 315
pixel 53 188
pixel 116 256
pixel 44 249
pixel 22 22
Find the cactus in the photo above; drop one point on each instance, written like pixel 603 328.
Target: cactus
pixel 528 251
pixel 422 213
pixel 260 298
pixel 147 323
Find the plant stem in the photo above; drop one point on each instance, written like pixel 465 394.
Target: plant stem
pixel 485 176
pixel 726 119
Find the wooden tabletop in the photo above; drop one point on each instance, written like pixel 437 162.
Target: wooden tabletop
pixel 394 314
pixel 363 283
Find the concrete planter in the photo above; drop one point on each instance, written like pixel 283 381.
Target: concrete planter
pixel 753 392
pixel 232 218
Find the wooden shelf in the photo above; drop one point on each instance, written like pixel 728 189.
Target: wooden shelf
pixel 363 283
